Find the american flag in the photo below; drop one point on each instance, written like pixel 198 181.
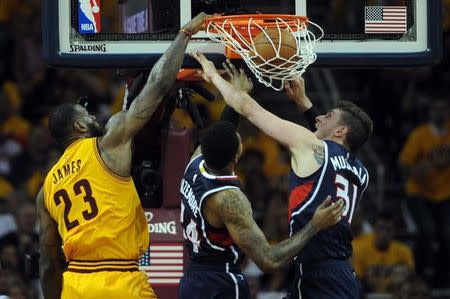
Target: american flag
pixel 163 263
pixel 385 19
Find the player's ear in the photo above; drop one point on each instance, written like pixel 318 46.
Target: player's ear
pixel 341 131
pixel 79 127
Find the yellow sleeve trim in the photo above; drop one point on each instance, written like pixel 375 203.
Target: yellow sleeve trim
pixel 105 167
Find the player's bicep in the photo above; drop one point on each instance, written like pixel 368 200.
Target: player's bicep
pixel 236 213
pixel 143 107
pixel 124 125
pixel 288 133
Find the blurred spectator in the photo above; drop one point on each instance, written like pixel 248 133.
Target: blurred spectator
pixel 399 274
pixel 35 158
pixel 256 187
pixel 16 287
pixel 252 138
pixel 376 254
pixel 251 160
pixel 9 253
pixel 12 124
pixel 7 221
pixel 274 227
pixel 426 161
pixel 413 288
pixel 26 221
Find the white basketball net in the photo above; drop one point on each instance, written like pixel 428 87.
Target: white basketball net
pixel 266 71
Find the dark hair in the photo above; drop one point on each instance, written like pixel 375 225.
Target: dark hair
pixel 219 144
pixel 60 121
pixel 359 124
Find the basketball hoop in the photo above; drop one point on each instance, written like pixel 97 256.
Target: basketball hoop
pixel 238 34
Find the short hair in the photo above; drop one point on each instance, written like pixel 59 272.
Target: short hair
pixel 219 144
pixel 359 124
pixel 60 121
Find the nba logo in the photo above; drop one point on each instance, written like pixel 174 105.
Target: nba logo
pixel 88 16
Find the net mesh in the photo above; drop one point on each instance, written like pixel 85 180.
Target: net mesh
pixel 239 37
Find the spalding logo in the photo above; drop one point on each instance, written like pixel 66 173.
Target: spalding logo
pixel 88 48
pixel 160 227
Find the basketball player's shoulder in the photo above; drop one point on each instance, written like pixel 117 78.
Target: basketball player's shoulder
pixel 231 201
pixel 232 193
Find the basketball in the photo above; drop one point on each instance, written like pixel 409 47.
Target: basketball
pixel 282 39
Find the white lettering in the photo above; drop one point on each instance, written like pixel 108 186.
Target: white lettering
pixel 87 27
pixel 335 162
pixel 163 228
pixel 340 162
pixel 188 193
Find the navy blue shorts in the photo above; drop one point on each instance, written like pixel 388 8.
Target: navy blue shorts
pixel 210 282
pixel 329 280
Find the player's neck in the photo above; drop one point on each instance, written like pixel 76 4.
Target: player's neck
pixel 66 143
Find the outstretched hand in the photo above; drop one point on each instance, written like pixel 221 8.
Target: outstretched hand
pixel 209 69
pixel 196 24
pixel 328 213
pixel 295 90
pixel 238 78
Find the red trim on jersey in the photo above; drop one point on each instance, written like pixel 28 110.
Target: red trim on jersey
pixel 299 195
pixel 220 238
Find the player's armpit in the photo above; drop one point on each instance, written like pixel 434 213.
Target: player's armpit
pixel 50 264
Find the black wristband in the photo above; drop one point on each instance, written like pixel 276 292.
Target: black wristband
pixel 228 114
pixel 311 115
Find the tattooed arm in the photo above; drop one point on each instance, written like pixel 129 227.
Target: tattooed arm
pixel 233 207
pixel 115 145
pixel 159 82
pixel 50 262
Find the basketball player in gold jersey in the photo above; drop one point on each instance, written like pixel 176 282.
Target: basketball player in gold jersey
pixel 88 206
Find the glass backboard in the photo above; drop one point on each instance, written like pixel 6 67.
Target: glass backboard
pixel 135 33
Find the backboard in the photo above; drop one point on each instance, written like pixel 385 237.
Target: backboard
pixel 135 33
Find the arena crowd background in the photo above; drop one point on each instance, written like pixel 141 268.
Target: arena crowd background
pixel 398 100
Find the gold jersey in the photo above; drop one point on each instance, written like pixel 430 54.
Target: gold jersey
pixel 98 213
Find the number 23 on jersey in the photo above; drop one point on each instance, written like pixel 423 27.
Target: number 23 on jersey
pixel 80 188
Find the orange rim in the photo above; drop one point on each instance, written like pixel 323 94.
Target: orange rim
pixel 240 22
pixel 189 74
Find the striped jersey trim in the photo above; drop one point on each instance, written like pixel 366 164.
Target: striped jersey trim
pixel 215 177
pixel 105 167
pixel 103 265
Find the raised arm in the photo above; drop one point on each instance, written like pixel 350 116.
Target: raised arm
pixel 290 134
pixel 235 211
pixel 50 260
pixel 239 79
pixel 295 90
pixel 125 125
